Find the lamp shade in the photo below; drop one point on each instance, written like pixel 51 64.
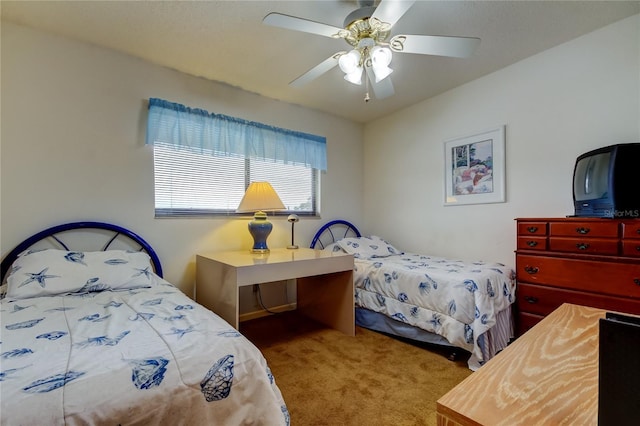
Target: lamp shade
pixel 380 60
pixel 260 196
pixel 354 77
pixel 350 64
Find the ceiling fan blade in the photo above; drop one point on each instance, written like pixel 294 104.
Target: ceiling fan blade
pixel 318 70
pixel 390 11
pixel 383 88
pixel 300 24
pixel 457 47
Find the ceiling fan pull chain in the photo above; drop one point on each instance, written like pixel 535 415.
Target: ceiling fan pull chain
pixel 366 88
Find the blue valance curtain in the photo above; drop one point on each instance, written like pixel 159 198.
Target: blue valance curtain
pixel 202 131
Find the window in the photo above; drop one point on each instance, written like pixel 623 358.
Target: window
pixel 188 183
pixel 204 169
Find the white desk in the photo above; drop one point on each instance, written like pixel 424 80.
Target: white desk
pixel 324 282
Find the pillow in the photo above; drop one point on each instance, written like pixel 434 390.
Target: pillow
pixel 367 247
pixel 52 272
pixel 333 247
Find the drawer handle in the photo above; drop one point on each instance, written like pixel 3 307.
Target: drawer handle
pixel 582 246
pixel 636 281
pixel 531 299
pixel 533 229
pixel 531 270
pixel 582 230
pixel 638 231
pixel 637 248
pixel 535 243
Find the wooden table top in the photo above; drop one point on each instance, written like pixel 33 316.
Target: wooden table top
pixel 549 376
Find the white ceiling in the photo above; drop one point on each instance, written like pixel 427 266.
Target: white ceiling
pixel 226 41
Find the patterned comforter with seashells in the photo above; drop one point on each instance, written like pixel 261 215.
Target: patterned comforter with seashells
pixel 458 300
pixel 143 356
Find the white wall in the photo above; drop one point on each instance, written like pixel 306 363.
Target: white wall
pixel 73 128
pixel 555 105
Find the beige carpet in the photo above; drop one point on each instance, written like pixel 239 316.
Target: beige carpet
pixel 328 378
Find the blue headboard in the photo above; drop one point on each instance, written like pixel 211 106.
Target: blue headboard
pixel 333 231
pixel 55 233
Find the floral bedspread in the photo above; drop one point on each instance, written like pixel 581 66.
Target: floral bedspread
pixel 143 356
pixel 455 299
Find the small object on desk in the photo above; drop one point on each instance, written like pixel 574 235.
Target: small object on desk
pixel 293 218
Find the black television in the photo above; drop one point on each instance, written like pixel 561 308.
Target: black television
pixel 605 182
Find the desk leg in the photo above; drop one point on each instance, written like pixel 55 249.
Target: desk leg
pixel 217 289
pixel 329 299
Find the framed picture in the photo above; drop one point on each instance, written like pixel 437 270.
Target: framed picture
pixel 474 168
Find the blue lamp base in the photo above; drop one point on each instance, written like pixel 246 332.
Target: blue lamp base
pixel 260 228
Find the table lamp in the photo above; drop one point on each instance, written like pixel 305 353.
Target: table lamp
pixel 260 196
pixel 293 218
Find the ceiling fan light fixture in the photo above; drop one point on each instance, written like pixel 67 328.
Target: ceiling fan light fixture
pixel 351 66
pixel 380 60
pixel 354 77
pixel 350 61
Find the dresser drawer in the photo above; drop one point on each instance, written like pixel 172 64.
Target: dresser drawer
pixel 612 278
pixel 631 248
pixel 584 245
pixel 532 243
pixel 532 228
pixel 526 321
pixel 542 300
pixel 584 229
pixel 630 230
pixel 537 299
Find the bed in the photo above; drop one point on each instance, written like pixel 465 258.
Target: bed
pixel 99 337
pixel 431 299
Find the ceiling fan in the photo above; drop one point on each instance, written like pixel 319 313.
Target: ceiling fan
pixel 368 29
